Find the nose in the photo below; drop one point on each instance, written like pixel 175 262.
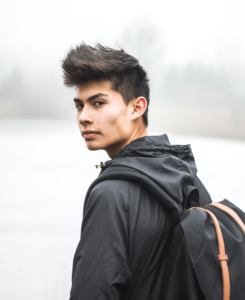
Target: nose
pixel 84 117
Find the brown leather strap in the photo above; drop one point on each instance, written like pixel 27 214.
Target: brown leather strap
pixel 231 213
pixel 222 256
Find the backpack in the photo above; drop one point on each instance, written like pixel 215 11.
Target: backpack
pixel 207 255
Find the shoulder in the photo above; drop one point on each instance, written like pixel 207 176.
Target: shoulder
pixel 114 185
pixel 113 193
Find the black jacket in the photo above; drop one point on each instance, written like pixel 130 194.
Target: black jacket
pixel 130 211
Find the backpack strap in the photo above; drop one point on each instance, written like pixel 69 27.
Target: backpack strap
pixel 222 256
pixel 230 212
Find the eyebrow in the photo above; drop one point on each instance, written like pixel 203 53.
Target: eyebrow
pixel 91 98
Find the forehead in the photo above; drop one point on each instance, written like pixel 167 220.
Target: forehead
pixel 94 87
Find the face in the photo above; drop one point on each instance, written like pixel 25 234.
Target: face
pixel 105 121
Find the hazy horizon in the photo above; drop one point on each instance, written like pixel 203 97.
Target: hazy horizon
pixel 193 51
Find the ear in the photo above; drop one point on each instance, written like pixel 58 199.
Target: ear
pixel 139 107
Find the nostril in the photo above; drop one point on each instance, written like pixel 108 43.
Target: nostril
pixel 85 121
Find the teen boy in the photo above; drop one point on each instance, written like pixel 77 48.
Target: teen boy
pixel 131 209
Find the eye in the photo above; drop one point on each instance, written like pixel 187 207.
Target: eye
pixel 98 103
pixel 78 106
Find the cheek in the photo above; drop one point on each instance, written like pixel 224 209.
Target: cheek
pixel 117 118
pixel 78 117
pixel 117 126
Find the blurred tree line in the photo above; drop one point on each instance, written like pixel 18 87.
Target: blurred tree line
pixel 191 99
pixel 41 96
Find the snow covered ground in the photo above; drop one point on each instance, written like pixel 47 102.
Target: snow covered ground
pixel 45 170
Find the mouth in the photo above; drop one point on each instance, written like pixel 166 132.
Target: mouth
pixel 87 134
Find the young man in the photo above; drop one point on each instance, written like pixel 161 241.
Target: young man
pixel 131 209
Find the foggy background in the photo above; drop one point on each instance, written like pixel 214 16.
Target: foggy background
pixel 194 52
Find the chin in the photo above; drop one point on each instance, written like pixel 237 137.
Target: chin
pixel 92 145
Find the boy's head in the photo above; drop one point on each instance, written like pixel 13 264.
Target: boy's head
pixel 112 94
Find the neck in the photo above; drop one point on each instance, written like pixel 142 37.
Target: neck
pixel 136 134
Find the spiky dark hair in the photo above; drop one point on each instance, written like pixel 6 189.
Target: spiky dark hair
pixel 85 63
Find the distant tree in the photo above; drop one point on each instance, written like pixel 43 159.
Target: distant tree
pixel 144 40
pixel 198 86
pixel 13 95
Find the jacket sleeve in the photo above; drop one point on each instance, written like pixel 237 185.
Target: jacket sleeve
pixel 100 268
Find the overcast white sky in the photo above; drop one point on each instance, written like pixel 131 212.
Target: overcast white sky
pixel 34 35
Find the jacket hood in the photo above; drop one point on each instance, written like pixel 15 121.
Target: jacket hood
pixel 168 171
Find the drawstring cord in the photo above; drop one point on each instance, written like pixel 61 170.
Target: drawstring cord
pixel 101 165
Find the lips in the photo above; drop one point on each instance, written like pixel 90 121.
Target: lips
pixel 87 134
